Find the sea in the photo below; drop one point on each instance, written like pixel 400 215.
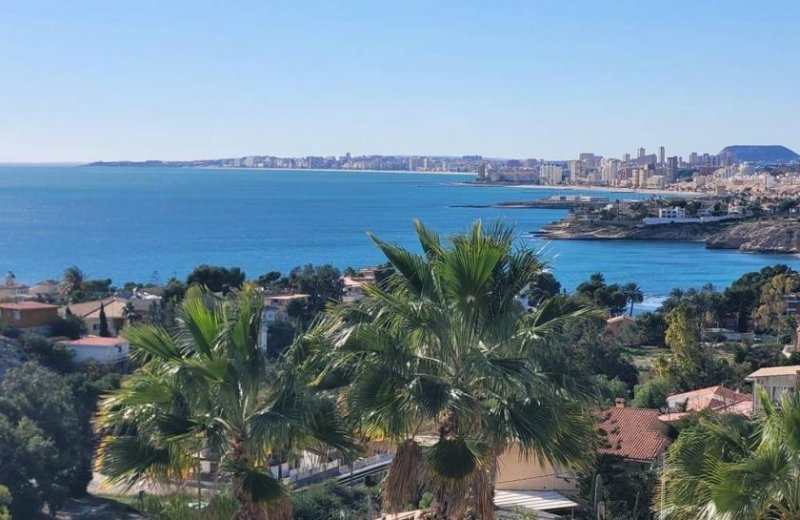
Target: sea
pixel 149 224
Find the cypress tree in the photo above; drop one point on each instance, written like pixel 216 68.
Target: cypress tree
pixel 104 332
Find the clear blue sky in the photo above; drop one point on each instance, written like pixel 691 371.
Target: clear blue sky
pixel 88 80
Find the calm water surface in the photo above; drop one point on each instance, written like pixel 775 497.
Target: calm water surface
pixel 145 223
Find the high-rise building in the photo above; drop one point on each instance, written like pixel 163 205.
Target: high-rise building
pixel 609 171
pixel 672 162
pixel 626 157
pixel 662 154
pixel 551 174
pixel 590 160
pixel 693 158
pixel 642 153
pixel 575 170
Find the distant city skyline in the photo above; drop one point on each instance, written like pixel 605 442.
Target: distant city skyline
pixel 92 80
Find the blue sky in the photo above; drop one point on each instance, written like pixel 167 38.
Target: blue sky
pixel 90 80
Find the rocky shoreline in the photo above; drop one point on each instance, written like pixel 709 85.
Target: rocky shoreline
pixel 780 235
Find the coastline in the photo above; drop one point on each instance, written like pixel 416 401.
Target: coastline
pixel 566 187
pixel 309 170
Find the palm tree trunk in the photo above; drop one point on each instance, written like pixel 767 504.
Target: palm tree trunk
pixel 450 498
pixel 248 509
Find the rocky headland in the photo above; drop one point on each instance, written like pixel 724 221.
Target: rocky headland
pixel 777 235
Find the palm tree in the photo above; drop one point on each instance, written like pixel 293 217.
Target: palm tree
pixel 633 294
pixel 73 282
pixel 731 467
pixel 206 388
pixel 444 345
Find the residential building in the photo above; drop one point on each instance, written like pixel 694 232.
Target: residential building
pixel 674 212
pixel 618 324
pixel 353 285
pixel 116 309
pixel 633 434
pixel 717 399
pixel 641 153
pixel 551 174
pixel 280 303
pixel 776 381
pixel 575 171
pixel 46 289
pixel 95 348
pixel 10 289
pixel 28 315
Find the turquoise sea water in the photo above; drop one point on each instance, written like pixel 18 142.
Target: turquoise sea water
pixel 127 223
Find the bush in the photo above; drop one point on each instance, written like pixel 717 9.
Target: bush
pixel 332 501
pixel 652 394
pixel 70 326
pixel 55 357
pixel 184 507
pixel 9 331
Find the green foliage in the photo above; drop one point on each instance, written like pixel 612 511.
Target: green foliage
pixel 5 501
pixel 609 390
pixel 545 286
pixel 626 492
pixel 333 501
pixel 633 294
pixel 593 348
pixel 38 348
pixel 770 314
pixel 206 386
pixel 104 332
pixel 322 284
pixel 281 334
pixel 9 331
pixel 736 467
pixel 651 394
pixel 595 291
pixel 445 341
pixel 76 288
pixel 184 507
pixel 425 501
pixel 216 279
pixel 46 456
pixel 173 291
pixel 70 326
pixel 651 328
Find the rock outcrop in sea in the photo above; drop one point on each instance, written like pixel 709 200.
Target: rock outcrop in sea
pixel 763 235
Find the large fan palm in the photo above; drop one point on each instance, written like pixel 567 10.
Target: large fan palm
pixel 735 468
pixel 207 388
pixel 633 294
pixel 446 342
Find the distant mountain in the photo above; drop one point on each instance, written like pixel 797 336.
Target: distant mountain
pixel 767 153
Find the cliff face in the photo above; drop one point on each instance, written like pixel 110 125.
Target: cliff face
pixel 767 236
pixel 764 236
pixel 568 230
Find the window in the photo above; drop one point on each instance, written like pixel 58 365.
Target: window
pixel 17 316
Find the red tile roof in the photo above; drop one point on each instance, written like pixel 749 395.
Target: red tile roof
pixel 632 433
pixel 775 371
pixel 711 398
pixel 27 306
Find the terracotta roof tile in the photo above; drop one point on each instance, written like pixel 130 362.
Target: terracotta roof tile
pixel 632 433
pixel 775 371
pixel 27 306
